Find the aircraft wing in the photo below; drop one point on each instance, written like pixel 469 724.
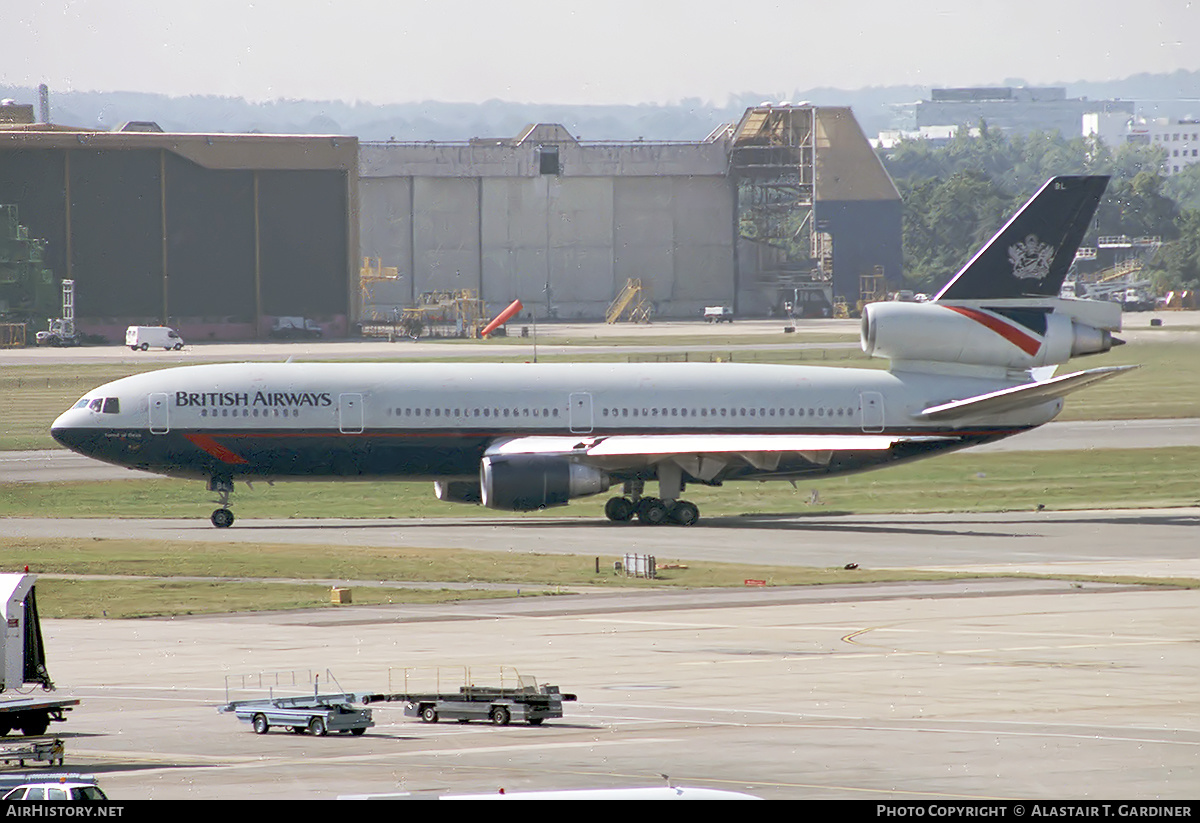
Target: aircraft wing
pixel 627 445
pixel 703 456
pixel 1018 397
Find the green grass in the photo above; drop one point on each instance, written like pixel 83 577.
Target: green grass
pixel 120 599
pixel 281 569
pixel 1166 386
pixel 964 481
pixel 257 577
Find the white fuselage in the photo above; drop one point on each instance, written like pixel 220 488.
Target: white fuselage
pixel 436 420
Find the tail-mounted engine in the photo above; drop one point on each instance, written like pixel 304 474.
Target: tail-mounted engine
pixel 523 482
pixel 1012 336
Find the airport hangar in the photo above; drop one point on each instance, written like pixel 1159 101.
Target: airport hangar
pixel 218 234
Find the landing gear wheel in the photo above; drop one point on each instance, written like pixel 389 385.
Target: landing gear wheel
pixel 651 511
pixel 684 513
pixel 35 725
pixel 316 727
pixel 222 518
pixel 619 509
pixel 261 726
pixel 500 716
pixel 429 714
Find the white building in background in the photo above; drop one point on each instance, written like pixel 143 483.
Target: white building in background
pixel 1110 127
pixel 1180 139
pixel 934 135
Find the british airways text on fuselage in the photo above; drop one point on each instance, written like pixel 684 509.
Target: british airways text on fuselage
pixel 185 399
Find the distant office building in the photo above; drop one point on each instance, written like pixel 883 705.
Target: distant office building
pixel 1180 139
pixel 933 135
pixel 1019 109
pixel 1111 128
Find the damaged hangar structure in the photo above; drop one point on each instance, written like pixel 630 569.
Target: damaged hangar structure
pixel 787 203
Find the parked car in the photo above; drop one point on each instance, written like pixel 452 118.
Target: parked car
pixel 60 790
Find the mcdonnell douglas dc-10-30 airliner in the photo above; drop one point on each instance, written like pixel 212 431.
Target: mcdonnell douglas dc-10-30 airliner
pixel 971 366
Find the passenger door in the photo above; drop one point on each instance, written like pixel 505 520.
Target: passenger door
pixel 872 411
pixel 580 412
pixel 350 413
pixel 160 422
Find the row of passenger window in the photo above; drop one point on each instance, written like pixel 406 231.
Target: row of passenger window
pixel 249 413
pixel 741 411
pixel 625 412
pixel 463 413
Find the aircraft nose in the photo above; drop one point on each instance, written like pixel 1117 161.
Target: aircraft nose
pixel 69 434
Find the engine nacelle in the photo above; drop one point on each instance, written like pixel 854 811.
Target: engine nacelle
pixel 523 482
pixel 1013 337
pixel 457 491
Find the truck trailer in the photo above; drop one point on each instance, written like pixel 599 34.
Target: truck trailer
pixel 24 663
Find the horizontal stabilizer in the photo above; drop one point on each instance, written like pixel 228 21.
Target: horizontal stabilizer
pixel 1019 397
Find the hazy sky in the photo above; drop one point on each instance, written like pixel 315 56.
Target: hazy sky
pixel 563 51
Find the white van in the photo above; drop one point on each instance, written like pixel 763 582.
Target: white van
pixel 143 337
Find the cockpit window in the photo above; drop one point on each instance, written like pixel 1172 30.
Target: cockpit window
pixel 81 404
pixel 112 405
pixel 96 404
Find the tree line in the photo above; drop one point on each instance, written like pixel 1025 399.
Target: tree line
pixel 958 194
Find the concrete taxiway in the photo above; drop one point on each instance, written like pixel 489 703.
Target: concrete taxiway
pixel 1009 688
pixel 1142 542
pixel 1033 690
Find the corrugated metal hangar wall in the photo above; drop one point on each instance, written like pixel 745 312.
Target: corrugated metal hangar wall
pixel 214 234
pixel 559 224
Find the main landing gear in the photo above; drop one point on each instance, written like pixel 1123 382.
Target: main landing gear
pixel 654 511
pixel 222 518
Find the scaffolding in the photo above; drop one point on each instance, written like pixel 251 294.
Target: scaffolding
pixel 1125 280
pixel 371 275
pixel 445 313
pixel 772 165
pixel 632 304
pixel 28 290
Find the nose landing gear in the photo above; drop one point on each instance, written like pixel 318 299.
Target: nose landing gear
pixel 222 518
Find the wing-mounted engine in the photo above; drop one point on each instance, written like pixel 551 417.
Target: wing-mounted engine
pixel 523 482
pixel 1012 334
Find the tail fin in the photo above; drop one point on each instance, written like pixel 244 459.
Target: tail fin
pixel 1030 256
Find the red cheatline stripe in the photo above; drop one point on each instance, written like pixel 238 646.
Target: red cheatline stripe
pixel 1012 334
pixel 214 448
